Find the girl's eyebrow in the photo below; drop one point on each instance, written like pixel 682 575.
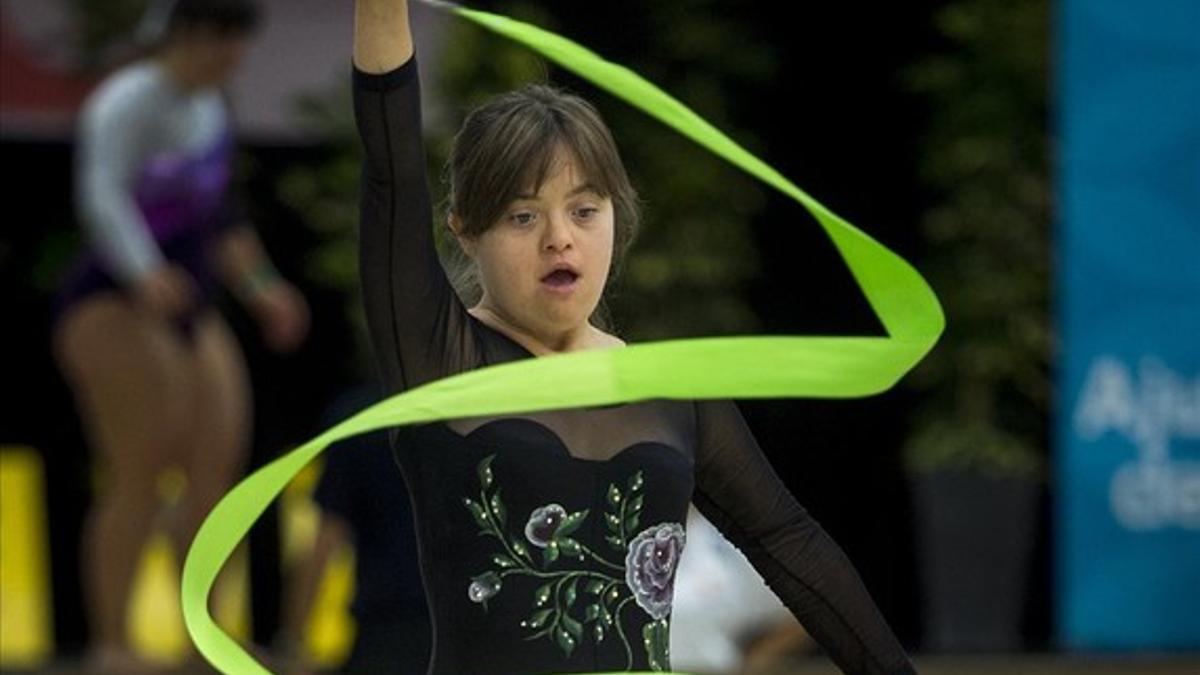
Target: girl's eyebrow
pixel 585 187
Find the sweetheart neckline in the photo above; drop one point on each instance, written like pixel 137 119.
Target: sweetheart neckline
pixel 560 447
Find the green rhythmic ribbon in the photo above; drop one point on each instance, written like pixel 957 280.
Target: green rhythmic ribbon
pixel 699 368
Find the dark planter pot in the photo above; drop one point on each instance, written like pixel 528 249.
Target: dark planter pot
pixel 975 536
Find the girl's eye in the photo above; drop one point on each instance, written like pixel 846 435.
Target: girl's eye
pixel 526 218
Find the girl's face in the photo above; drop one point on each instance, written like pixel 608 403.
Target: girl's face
pixel 566 222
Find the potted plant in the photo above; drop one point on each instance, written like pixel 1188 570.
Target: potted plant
pixel 975 451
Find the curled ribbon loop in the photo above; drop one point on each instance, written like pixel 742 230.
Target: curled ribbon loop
pixel 775 366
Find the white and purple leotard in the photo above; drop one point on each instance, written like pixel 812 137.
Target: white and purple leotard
pixel 152 171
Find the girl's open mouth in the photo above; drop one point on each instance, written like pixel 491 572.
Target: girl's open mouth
pixel 560 281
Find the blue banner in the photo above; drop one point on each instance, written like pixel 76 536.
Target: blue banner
pixel 1128 427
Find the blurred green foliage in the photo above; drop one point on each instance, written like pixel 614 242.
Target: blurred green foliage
pixel 106 30
pixel 987 383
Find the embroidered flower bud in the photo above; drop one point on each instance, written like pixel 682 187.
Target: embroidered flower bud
pixel 542 524
pixel 483 587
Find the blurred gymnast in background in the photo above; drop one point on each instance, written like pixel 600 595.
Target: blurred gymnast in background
pixel 157 376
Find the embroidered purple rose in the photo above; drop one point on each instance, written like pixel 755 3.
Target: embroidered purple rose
pixel 650 566
pixel 543 522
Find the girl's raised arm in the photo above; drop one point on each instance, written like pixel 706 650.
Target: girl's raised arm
pixel 382 37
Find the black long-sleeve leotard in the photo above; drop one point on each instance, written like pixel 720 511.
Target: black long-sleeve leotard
pixel 548 541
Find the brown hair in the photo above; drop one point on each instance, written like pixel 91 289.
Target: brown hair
pixel 164 20
pixel 505 147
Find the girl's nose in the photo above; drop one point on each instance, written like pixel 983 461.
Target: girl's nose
pixel 558 232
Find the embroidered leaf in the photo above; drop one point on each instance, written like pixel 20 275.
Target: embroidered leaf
pixel 550 553
pixel 565 641
pixel 485 471
pixel 635 481
pixel 498 507
pixel 573 627
pixel 503 560
pixel 599 630
pixel 538 619
pixel 570 523
pixel 635 504
pixel 615 541
pixel 592 611
pixel 570 594
pixel 655 636
pixel 614 495
pixel 595 586
pixel 477 511
pixel 605 615
pixel 519 548
pixel 542 595
pixel 613 522
pixel 631 522
pixel 569 547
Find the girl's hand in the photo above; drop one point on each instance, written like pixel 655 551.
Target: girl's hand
pixel 167 291
pixel 282 314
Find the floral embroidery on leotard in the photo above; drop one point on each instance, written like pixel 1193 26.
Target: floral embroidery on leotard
pixel 647 576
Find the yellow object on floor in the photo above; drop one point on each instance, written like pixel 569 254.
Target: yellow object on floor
pixel 26 632
pixel 154 622
pixel 330 630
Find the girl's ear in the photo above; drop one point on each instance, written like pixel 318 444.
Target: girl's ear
pixel 464 242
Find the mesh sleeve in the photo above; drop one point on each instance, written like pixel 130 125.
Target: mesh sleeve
pixel 739 491
pixel 419 328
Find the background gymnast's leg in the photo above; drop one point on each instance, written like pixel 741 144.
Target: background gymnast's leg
pixel 128 375
pixel 217 446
